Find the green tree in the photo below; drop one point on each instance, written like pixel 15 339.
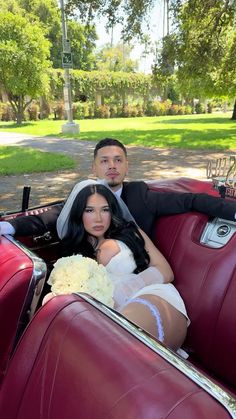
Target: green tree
pixel 116 58
pixel 48 14
pixel 82 38
pixel 164 66
pixel 133 14
pixel 10 6
pixel 205 47
pixel 44 12
pixel 24 62
pixel 83 45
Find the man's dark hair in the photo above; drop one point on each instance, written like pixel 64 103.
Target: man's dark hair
pixel 108 142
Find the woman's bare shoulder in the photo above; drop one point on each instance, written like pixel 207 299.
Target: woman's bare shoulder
pixel 107 250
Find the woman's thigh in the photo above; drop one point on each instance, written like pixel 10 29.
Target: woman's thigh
pixel 159 318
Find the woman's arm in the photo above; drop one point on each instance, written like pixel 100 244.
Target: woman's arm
pixel 127 285
pixel 109 248
pixel 157 260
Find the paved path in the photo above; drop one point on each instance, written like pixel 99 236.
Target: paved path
pixel 145 163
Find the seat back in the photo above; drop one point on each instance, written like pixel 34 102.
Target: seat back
pixel 21 278
pixel 183 184
pixel 75 362
pixel 206 279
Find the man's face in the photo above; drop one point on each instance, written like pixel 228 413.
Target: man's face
pixel 111 164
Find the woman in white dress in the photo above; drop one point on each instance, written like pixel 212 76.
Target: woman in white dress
pixel 92 223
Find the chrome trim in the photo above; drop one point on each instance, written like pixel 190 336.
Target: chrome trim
pixel 38 275
pixel 46 237
pixel 211 237
pixel 170 356
pixel 30 209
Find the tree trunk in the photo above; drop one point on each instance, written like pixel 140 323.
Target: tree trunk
pixel 19 114
pixel 17 104
pixel 98 99
pixel 234 111
pixel 124 100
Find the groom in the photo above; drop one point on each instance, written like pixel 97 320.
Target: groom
pixel 111 163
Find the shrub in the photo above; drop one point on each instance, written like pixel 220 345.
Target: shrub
pixel 33 112
pixel 188 110
pixel 102 111
pixel 59 110
pixel 113 111
pixel 78 110
pixel 7 113
pixel 45 109
pixel 1 110
pixel 89 110
pixel 199 108
pixel 130 111
pixel 209 108
pixel 151 108
pixel 140 110
pixel 174 110
pixel 119 111
pixel 157 108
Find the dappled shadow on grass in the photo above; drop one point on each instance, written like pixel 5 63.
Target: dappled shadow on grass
pixel 210 139
pixel 169 132
pixel 178 120
pixel 13 126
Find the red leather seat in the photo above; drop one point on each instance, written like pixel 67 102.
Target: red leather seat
pixel 183 184
pixel 75 362
pixel 206 279
pixel 18 283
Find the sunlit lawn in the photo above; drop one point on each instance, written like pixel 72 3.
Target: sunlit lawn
pixel 211 131
pixel 17 160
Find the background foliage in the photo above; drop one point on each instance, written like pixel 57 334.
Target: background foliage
pixel 24 63
pixel 195 62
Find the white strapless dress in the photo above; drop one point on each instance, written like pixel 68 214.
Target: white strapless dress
pixel 123 264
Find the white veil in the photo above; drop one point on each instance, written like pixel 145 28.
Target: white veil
pixel 62 221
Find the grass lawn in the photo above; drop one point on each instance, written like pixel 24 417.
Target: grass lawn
pixel 17 160
pixel 210 131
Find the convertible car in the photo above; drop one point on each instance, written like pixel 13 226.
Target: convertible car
pixel 77 358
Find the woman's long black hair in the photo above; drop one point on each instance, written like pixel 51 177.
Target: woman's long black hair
pixel 77 239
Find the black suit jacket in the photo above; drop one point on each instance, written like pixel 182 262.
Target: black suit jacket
pixel 145 206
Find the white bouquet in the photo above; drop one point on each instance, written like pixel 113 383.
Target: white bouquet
pixel 81 274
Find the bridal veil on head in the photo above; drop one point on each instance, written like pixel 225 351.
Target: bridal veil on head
pixel 62 221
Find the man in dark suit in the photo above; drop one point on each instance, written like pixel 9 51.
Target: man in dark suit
pixel 111 163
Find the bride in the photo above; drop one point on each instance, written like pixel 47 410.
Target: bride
pixel 97 224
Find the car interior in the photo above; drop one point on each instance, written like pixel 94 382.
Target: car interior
pixel 75 357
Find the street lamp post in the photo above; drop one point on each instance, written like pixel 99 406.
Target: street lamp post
pixel 70 127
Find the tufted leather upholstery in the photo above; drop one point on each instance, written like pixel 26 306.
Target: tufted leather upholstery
pixel 74 362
